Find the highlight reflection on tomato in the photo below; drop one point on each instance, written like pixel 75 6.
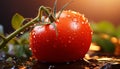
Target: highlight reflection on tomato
pixel 71 43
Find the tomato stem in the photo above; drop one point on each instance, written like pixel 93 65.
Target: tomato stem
pixel 51 17
pixel 54 8
pixel 1 36
pixel 28 24
pixel 61 10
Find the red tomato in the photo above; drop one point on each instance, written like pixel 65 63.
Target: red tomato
pixel 71 43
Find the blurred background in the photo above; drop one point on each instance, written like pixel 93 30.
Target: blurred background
pixel 94 10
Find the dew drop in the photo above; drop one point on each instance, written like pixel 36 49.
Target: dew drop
pixel 83 17
pixel 29 48
pixel 63 15
pixel 86 21
pixel 83 44
pixel 34 50
pixel 88 24
pixel 75 25
pixel 47 40
pixel 74 19
pixel 82 22
pixel 69 41
pixel 34 36
pixel 33 33
pixel 72 38
pixel 69 37
pixel 91 32
pixel 74 12
pixel 51 26
pixel 57 20
pixel 68 15
pixel 82 32
pixel 74 33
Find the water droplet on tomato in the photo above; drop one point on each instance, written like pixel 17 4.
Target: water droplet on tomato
pixel 29 48
pixel 88 24
pixel 69 37
pixel 74 19
pixel 63 15
pixel 86 21
pixel 91 32
pixel 82 32
pixel 57 20
pixel 83 44
pixel 74 33
pixel 68 16
pixel 82 22
pixel 39 29
pixel 69 41
pixel 47 40
pixel 83 17
pixel 34 36
pixel 33 33
pixel 34 50
pixel 75 25
pixel 72 38
pixel 74 12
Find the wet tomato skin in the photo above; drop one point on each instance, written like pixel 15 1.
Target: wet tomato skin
pixel 71 43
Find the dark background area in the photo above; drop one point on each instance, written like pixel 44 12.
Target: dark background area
pixel 94 10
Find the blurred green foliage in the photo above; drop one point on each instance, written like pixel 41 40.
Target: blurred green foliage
pixel 106 28
pixel 19 45
pixel 102 33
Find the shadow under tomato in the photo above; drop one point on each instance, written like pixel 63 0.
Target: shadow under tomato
pixel 80 64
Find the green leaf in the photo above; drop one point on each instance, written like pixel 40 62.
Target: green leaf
pixel 103 27
pixel 17 21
